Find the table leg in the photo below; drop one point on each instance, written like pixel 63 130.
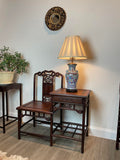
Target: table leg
pixel 3 112
pixel 51 130
pixel 34 124
pixel 20 95
pixel 7 105
pixel 61 117
pixel 117 145
pixel 19 123
pixel 87 123
pixel 83 129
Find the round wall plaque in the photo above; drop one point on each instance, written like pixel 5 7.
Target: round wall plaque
pixel 55 18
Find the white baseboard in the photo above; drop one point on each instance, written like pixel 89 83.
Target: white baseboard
pixel 102 132
pixel 11 114
pixel 96 131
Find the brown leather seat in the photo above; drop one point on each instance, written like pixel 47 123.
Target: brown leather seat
pixel 40 109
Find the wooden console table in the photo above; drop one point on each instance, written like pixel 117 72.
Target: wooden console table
pixel 79 102
pixel 4 88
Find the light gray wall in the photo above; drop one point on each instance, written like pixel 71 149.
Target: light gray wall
pixel 22 28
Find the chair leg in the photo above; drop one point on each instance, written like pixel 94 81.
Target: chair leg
pixel 34 124
pixel 19 123
pixel 117 145
pixel 61 118
pixel 51 130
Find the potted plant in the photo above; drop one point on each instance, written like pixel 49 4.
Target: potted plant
pixel 10 63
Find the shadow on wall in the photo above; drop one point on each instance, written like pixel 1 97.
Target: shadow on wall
pixel 95 108
pixel 89 51
pixel 81 78
pixel 95 102
pixel 81 64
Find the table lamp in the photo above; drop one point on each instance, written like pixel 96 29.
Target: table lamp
pixel 72 49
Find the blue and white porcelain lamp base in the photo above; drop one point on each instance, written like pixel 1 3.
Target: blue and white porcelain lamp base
pixel 71 77
pixel 72 49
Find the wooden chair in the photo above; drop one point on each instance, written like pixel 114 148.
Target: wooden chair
pixel 118 127
pixel 40 109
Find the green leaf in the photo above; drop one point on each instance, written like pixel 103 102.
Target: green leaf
pixel 12 61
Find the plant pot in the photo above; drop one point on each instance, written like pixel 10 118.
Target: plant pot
pixel 6 77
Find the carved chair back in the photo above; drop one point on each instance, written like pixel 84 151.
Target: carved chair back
pixel 48 83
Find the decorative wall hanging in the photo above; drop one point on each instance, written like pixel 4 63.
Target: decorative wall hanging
pixel 55 18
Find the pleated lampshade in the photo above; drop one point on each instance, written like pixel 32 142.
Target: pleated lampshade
pixel 72 48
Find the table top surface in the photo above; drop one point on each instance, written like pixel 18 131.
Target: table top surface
pixel 9 84
pixel 5 87
pixel 63 92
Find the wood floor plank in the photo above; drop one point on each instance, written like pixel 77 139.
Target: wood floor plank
pixel 38 149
